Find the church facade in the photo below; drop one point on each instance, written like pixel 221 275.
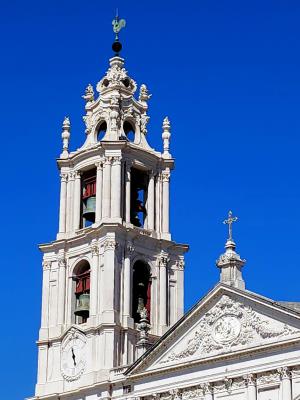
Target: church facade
pixel 113 323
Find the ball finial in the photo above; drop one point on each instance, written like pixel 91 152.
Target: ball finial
pixel 117 24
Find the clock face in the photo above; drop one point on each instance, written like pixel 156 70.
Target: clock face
pixel 73 357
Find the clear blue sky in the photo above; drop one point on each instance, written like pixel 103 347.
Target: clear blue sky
pixel 227 75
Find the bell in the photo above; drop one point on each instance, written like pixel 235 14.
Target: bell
pixel 89 209
pixel 83 306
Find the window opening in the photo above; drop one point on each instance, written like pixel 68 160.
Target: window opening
pixel 141 290
pixel 82 294
pixel 88 198
pixel 139 185
pixel 102 131
pixel 129 131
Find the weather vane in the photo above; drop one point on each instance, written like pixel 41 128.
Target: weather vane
pixel 229 221
pixel 117 24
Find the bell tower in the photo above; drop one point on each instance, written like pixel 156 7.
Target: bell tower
pixel 113 278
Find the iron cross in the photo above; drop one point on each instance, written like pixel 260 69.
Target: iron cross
pixel 229 221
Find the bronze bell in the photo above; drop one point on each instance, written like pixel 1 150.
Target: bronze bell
pixel 83 305
pixel 89 209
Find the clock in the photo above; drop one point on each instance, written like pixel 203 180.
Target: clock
pixel 73 355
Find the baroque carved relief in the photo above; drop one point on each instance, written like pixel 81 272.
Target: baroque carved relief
pixel 227 325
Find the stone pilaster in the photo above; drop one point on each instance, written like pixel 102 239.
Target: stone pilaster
pixel 116 188
pixel 63 203
pixel 99 191
pixel 77 200
pixel 106 188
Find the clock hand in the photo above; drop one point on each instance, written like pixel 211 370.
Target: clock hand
pixel 73 356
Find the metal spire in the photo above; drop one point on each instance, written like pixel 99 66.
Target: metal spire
pixel 117 24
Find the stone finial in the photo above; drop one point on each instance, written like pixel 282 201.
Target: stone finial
pixel 230 263
pixel 66 127
pixel 144 93
pixel 166 135
pixel 89 93
pixel 143 327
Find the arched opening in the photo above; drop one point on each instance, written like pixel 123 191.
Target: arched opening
pixel 141 290
pixel 88 200
pixel 138 197
pixel 101 131
pixel 129 131
pixel 82 274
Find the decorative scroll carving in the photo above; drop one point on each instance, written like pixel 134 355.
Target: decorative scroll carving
pixel 46 265
pixel 229 324
pixel 110 244
pixel 61 261
pixel 268 377
pixel 94 248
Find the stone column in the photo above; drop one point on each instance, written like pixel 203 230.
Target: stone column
pixel 166 200
pixel 106 188
pixel 77 201
pixel 45 294
pixel 69 210
pixel 127 280
pixel 116 188
pixel 250 381
pixel 63 203
pixel 99 191
pixel 163 262
pixel 107 295
pixel 61 290
pixel 158 203
pixel 94 278
pixel 150 202
pixel 285 375
pixel 127 192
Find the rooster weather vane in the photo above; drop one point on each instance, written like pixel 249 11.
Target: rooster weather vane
pixel 117 24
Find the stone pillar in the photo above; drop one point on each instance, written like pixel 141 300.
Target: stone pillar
pixel 163 262
pixel 285 375
pixel 63 203
pixel 77 201
pixel 99 191
pixel 69 210
pixel 108 293
pixel 166 201
pixel 158 203
pixel 61 290
pixel 45 294
pixel 127 280
pixel 106 188
pixel 150 202
pixel 116 188
pixel 94 278
pixel 127 192
pixel 251 386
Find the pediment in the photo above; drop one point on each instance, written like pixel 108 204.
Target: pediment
pixel 226 321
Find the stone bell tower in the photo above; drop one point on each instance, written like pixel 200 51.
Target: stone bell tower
pixel 113 264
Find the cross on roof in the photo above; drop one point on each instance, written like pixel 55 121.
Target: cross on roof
pixel 229 221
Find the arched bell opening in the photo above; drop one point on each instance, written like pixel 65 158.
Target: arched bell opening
pixel 81 276
pixel 138 197
pixel 129 131
pixel 141 290
pixel 101 131
pixel 88 199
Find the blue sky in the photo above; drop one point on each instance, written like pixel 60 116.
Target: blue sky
pixel 227 75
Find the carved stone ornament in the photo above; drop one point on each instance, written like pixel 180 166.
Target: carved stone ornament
pixel 144 93
pixel 116 77
pixel 229 324
pixel 268 378
pixel 94 248
pixel 89 93
pixel 180 264
pixel 47 264
pixel 110 244
pixel 61 261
